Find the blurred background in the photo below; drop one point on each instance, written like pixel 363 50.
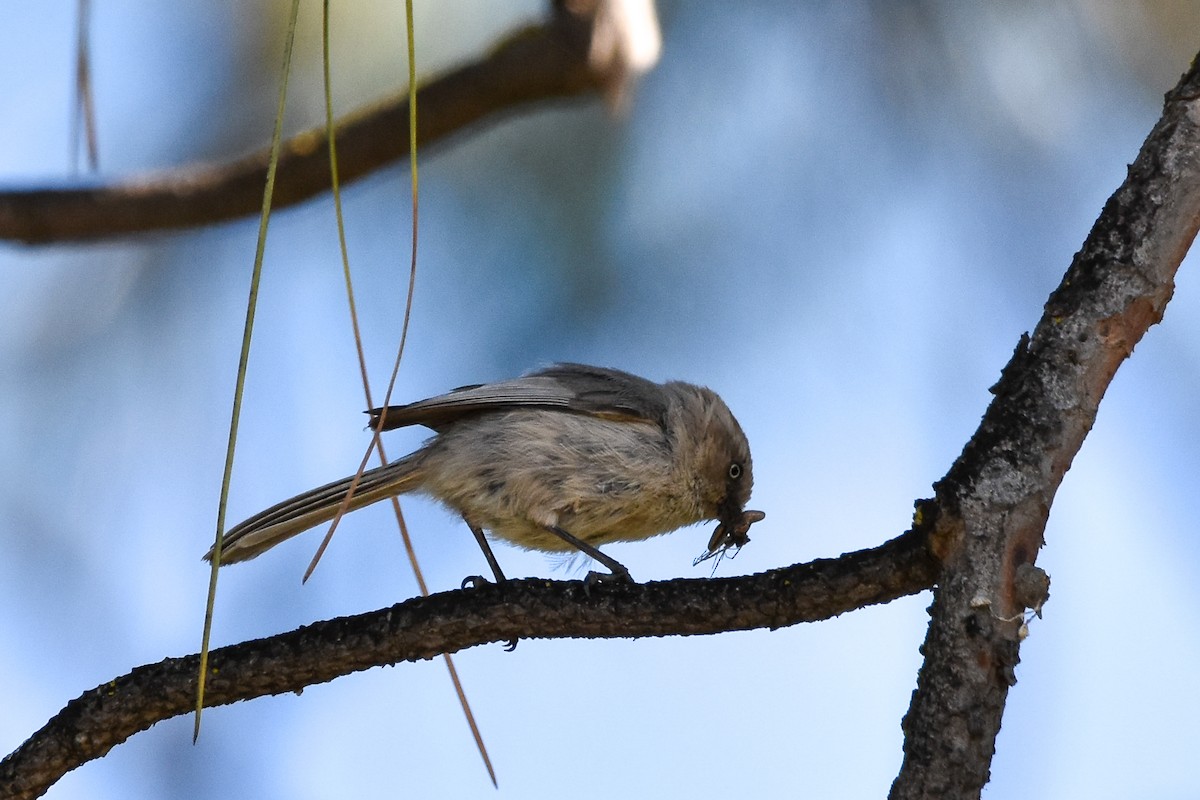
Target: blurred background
pixel 841 216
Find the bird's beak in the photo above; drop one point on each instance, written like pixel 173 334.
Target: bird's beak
pixel 733 530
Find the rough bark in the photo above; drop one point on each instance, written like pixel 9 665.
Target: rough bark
pixel 103 717
pixel 995 500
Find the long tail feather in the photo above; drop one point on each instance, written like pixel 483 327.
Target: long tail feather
pixel 283 520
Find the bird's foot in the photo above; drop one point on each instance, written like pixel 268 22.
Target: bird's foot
pixel 594 578
pixel 474 582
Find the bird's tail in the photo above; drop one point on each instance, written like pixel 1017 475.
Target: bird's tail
pixel 282 521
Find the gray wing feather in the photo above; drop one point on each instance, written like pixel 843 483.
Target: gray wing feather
pixel 574 388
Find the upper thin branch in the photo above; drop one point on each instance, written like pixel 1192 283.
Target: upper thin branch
pixel 539 63
pixel 996 498
pixel 101 718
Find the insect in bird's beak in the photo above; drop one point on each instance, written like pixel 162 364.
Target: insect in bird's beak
pixel 733 534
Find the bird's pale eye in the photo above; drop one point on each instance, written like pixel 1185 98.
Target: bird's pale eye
pixel 735 470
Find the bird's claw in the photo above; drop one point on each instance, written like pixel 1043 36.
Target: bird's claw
pixel 594 578
pixel 474 582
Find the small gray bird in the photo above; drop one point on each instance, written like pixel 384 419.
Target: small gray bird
pixel 565 458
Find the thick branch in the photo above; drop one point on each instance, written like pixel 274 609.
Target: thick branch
pixel 997 496
pixel 421 628
pixel 540 63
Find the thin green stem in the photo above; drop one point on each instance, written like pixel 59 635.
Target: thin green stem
pixel 243 360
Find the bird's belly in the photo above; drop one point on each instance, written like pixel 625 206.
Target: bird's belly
pixel 601 481
pixel 593 517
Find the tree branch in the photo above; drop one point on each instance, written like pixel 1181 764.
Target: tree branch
pixel 91 725
pixel 542 62
pixel 996 498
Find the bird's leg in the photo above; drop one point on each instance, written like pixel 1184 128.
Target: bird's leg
pixel 617 570
pixel 475 580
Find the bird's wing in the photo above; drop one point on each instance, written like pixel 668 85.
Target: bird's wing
pixel 576 388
